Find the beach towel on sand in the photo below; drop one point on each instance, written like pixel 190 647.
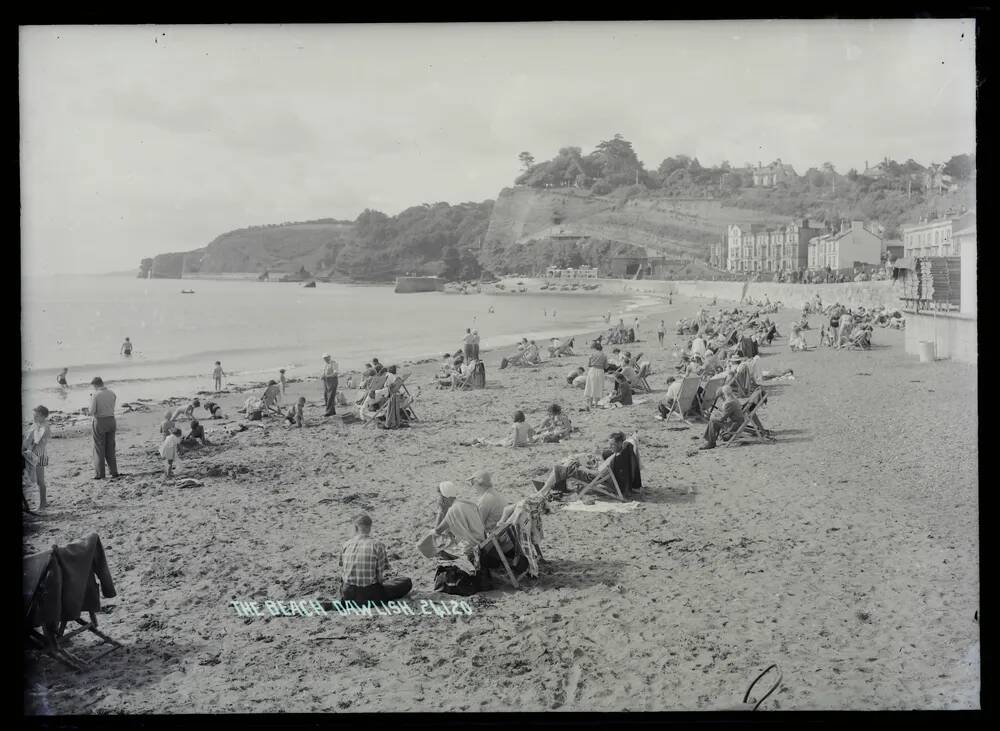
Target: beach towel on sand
pixel 601 507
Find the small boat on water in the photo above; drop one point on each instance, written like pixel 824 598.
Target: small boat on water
pixel 311 284
pixel 187 291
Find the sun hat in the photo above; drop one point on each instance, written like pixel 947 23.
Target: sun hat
pixel 326 355
pixel 96 381
pixel 482 478
pixel 448 489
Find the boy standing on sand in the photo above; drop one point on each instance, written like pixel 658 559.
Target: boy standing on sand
pixel 217 374
pixel 661 330
pixel 283 382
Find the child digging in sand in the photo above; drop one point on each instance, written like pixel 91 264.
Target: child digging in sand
pixel 168 450
pixel 296 414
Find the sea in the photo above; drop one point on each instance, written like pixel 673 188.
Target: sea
pixel 255 328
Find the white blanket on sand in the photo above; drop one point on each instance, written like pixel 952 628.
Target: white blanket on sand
pixel 601 507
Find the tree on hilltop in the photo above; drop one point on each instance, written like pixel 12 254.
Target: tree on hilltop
pixel 527 160
pixel 960 167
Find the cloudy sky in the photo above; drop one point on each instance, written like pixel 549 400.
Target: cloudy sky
pixel 141 140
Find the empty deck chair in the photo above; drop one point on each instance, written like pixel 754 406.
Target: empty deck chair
pixel 686 399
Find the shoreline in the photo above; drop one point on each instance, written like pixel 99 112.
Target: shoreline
pixel 166 376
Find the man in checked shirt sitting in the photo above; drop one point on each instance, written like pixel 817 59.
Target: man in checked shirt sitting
pixel 363 567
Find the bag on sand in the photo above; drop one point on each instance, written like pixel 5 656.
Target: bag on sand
pixel 452 580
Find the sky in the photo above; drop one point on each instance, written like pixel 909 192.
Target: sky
pixel 139 140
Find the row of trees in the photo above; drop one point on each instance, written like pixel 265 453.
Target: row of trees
pixel 438 239
pixel 614 164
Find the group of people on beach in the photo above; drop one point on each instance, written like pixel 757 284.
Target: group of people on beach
pixel 34 447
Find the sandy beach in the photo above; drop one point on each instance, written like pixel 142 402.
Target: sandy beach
pixel 846 552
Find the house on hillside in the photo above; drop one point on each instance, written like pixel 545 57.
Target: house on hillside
pixel 853 244
pixel 879 171
pixel 758 248
pixel 935 238
pixel 770 175
pixel 936 179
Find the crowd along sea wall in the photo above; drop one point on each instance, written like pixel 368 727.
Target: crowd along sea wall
pixel 849 294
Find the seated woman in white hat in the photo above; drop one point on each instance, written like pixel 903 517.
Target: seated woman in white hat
pixel 460 526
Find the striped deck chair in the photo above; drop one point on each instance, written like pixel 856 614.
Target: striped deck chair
pixel 742 380
pixel 641 384
pixel 686 399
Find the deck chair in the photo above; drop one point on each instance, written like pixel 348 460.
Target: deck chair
pixel 860 340
pixel 466 382
pixel 375 383
pixel 710 394
pixel 749 429
pixel 402 385
pixel 686 399
pixel 641 384
pixel 603 485
pixel 55 593
pixel 742 381
pixel 492 544
pixel 392 401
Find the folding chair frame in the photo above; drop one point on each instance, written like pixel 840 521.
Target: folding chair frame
pixel 708 401
pixel 748 429
pixel 597 485
pixel 641 379
pixel 491 540
pixel 675 407
pixel 86 626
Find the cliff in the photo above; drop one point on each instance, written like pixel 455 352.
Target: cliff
pixel 532 228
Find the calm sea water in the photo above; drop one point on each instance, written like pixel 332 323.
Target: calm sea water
pixel 255 328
